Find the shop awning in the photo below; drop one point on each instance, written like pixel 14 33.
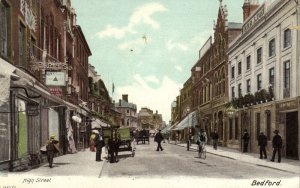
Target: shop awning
pixel 189 121
pixel 98 124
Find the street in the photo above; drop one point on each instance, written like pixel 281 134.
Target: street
pixel 172 167
pixel 177 161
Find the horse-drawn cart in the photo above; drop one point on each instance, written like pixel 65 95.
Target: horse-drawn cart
pixel 118 140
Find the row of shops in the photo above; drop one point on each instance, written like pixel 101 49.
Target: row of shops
pixel 230 124
pixel 29 115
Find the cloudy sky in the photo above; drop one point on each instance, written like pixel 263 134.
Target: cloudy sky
pixel 147 48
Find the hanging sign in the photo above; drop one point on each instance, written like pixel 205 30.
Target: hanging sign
pixel 55 78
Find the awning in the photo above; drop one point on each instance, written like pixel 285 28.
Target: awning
pixel 189 121
pixel 98 124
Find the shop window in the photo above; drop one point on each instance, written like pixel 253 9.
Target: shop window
pixel 22 128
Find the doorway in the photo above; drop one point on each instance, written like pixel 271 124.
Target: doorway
pixel 292 135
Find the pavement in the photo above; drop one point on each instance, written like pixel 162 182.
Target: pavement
pixel 287 165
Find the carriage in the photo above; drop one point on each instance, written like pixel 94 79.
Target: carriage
pixel 142 136
pixel 118 140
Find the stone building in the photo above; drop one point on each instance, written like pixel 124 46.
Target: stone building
pixel 128 112
pixel 149 120
pixel 264 75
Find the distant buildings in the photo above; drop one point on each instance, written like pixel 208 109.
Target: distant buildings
pixel 128 112
pixel 149 120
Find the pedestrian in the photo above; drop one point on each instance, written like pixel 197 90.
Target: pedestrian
pixel 51 148
pixel 92 140
pixel 215 138
pixel 99 143
pixel 246 139
pixel 277 145
pixel 262 142
pixel 158 138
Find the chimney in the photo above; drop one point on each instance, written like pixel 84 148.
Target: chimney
pixel 125 97
pixel 249 7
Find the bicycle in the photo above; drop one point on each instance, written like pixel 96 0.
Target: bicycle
pixel 202 151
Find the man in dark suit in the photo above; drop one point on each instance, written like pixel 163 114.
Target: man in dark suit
pixel 262 142
pixel 99 143
pixel 277 145
pixel 158 138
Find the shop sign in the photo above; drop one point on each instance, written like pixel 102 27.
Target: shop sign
pixel 32 109
pixel 56 91
pixel 255 18
pixel 54 66
pixel 55 78
pixel 287 105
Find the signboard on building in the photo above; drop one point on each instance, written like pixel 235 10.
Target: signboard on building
pixel 32 109
pixel 56 91
pixel 55 78
pixel 253 19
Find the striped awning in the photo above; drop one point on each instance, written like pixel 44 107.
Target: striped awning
pixel 189 121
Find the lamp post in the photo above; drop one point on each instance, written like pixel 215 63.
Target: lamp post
pixel 230 112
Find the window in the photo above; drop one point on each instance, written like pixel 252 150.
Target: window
pixel 259 55
pixel 287 38
pixel 22 43
pixel 248 62
pixel 232 72
pixel 240 90
pixel 259 82
pixel 232 92
pixel 287 74
pixel 248 86
pixel 257 125
pixel 239 68
pixel 271 77
pixel 272 48
pixel 4 28
pixel 32 47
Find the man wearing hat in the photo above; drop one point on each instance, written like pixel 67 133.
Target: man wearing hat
pixel 99 143
pixel 262 142
pixel 158 138
pixel 51 149
pixel 246 139
pixel 277 145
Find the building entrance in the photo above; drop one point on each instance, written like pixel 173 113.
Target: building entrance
pixel 292 135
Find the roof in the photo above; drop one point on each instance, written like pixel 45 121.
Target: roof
pixel 125 104
pixel 234 25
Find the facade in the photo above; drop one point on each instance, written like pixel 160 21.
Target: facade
pixel 264 76
pixel 128 112
pixel 37 68
pixel 149 120
pixel 209 76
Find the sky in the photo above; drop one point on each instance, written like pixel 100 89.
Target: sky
pixel 147 48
